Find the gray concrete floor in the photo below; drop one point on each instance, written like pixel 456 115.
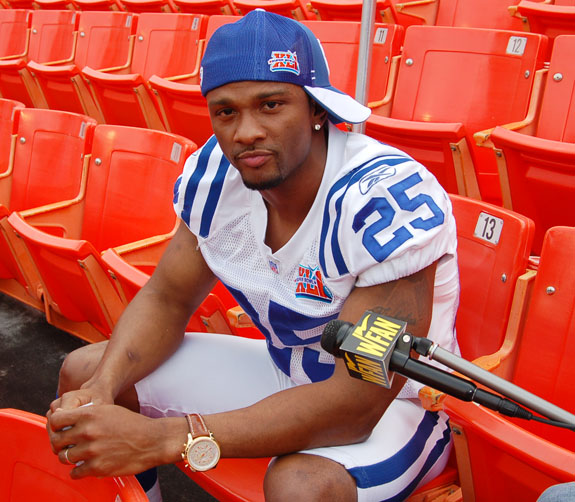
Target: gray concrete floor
pixel 31 352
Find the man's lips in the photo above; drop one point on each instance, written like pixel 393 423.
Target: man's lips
pixel 254 158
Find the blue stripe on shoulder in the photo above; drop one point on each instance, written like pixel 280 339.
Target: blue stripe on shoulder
pixel 348 180
pixel 199 171
pixel 213 197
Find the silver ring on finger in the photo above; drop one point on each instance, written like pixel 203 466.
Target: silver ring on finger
pixel 66 451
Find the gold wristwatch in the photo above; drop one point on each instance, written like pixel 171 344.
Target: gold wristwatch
pixel 201 451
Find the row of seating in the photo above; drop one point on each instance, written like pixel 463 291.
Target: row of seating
pixel 550 16
pixel 118 74
pixel 83 255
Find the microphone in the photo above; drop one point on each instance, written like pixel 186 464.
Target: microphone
pixel 367 347
pixel 377 346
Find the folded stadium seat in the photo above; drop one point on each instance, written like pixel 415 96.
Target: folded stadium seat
pixel 185 111
pixel 207 7
pixel 139 6
pixel 551 19
pixel 14 33
pixel 183 108
pixel 52 38
pixel 128 198
pixel 105 40
pixel 296 9
pixel 30 471
pixel 55 4
pixel 537 160
pixel 346 10
pixel 125 97
pixel 493 247
pixel 453 82
pixel 510 459
pixel 340 42
pixel 411 13
pixel 99 5
pixel 35 177
pixel 493 14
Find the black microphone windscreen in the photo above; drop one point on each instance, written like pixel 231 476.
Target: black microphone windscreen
pixel 329 341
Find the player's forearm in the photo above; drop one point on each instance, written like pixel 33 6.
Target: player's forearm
pixel 324 414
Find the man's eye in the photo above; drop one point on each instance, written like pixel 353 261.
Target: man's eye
pixel 271 105
pixel 225 112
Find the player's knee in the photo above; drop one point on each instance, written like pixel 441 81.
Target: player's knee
pixel 79 366
pixel 309 478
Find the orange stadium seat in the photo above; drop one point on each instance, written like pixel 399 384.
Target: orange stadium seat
pixel 340 42
pixel 127 198
pixel 537 161
pixel 296 9
pixel 346 10
pixel 99 5
pixel 493 246
pixel 35 177
pixel 125 97
pixel 55 4
pixel 150 6
pixel 181 103
pixel 30 471
pixel 105 40
pixel 14 33
pixel 453 82
pixel 509 459
pixel 493 14
pixel 207 7
pixel 52 39
pixel 549 18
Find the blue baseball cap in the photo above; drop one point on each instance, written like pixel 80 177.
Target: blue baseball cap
pixel 265 46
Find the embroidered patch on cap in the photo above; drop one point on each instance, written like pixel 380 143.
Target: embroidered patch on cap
pixel 284 61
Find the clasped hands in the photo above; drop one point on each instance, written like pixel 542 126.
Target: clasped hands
pixel 101 438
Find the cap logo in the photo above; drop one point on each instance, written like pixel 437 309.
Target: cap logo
pixel 284 61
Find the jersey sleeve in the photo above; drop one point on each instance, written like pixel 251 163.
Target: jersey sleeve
pixel 205 181
pixel 385 220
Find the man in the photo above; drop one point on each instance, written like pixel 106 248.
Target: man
pixel 303 223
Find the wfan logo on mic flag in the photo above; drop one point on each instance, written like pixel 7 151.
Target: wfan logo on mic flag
pixel 367 351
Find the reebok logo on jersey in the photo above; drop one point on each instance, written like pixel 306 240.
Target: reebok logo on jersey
pixel 373 177
pixel 309 285
pixel 284 61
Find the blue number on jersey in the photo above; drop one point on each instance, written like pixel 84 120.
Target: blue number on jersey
pixel 386 214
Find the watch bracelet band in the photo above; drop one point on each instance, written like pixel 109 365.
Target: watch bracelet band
pixel 197 425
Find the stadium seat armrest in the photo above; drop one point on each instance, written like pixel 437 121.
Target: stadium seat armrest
pixel 426 10
pixel 383 107
pixel 527 125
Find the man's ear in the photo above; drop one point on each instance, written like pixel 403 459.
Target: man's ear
pixel 319 114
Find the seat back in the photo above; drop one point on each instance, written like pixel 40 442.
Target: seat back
pixel 344 10
pixel 493 246
pixel 14 32
pixel 167 44
pixel 557 116
pixel 493 14
pixel 182 105
pixel 130 184
pixel 104 39
pixel 52 35
pixel 471 76
pixel 49 156
pixel 340 42
pixel 544 363
pixel 30 471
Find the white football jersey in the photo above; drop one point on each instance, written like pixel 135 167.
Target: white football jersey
pixel 378 216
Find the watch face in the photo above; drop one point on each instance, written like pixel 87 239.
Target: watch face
pixel 203 454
